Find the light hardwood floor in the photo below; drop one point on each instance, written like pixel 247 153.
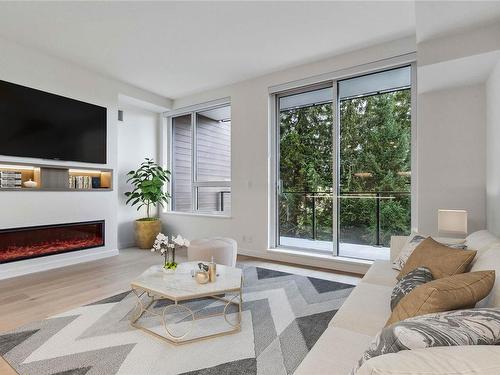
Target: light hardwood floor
pixel 37 296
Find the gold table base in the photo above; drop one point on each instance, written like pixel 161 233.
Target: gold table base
pixel 181 339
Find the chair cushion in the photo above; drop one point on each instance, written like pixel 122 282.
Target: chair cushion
pixel 445 294
pixel 490 260
pixel 440 259
pixel 222 250
pixel 410 281
pixel 451 328
pixel 453 360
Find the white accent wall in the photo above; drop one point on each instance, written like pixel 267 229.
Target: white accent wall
pixel 493 151
pixel 457 123
pixel 30 68
pixel 451 147
pixel 137 139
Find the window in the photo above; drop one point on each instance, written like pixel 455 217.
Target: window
pixel 201 161
pixel 343 164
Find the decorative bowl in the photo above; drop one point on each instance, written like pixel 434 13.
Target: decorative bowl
pixel 201 277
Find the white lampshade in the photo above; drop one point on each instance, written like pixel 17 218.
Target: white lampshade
pixel 452 222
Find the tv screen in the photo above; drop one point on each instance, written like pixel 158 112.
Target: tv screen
pixel 37 124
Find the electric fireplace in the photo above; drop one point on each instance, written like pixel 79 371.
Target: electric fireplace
pixel 33 242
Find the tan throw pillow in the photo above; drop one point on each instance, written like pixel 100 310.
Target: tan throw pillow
pixel 440 259
pixel 449 293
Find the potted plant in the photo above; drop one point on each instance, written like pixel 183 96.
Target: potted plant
pixel 148 181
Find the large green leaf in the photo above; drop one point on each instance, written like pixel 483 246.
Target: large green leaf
pixel 147 181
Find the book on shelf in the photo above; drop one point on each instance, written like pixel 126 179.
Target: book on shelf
pixel 10 183
pixel 10 179
pixel 7 175
pixel 80 182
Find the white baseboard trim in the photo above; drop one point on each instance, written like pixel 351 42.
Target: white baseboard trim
pixel 312 260
pixel 24 267
pixel 126 245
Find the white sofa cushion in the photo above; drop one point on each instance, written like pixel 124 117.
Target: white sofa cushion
pixel 381 273
pixel 366 310
pixel 490 260
pixel 481 241
pixel 456 360
pixel 335 353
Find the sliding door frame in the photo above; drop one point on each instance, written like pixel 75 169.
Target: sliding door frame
pixel 308 84
pixel 275 151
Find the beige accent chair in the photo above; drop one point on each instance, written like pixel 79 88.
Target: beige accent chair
pixel 222 249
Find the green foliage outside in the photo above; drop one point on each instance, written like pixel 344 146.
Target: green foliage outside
pixel 375 141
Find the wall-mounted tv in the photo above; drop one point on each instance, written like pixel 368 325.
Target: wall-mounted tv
pixel 38 124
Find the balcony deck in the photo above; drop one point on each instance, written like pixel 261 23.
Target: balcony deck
pixel 345 249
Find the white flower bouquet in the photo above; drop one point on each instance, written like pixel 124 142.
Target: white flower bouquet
pixel 166 246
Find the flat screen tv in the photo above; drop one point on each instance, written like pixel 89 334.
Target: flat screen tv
pixel 38 124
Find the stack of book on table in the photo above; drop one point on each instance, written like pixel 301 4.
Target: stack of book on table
pixel 10 179
pixel 80 182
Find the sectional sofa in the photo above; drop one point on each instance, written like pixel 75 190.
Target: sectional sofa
pixel 367 309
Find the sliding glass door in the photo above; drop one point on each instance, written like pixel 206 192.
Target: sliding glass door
pixel 374 162
pixel 344 165
pixel 306 169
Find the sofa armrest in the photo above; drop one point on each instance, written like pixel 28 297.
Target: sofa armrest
pixel 397 243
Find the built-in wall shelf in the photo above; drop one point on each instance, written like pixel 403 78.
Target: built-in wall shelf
pixel 16 176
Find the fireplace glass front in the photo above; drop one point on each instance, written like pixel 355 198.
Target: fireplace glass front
pixel 32 242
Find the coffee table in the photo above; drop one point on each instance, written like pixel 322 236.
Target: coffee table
pixel 156 284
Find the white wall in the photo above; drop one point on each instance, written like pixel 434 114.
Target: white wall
pixel 493 151
pixel 31 68
pixel 451 155
pixel 452 126
pixel 137 139
pixel 249 223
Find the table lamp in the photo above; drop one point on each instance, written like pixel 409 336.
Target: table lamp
pixel 452 223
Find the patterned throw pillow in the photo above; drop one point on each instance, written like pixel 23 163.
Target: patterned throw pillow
pixel 410 281
pixel 411 244
pixel 451 328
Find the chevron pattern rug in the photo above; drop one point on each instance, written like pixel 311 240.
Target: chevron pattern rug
pixel 283 317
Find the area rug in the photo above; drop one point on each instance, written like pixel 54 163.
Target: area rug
pixel 283 317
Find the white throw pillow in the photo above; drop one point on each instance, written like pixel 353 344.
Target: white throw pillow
pixel 414 239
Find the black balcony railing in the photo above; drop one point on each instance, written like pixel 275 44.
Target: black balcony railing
pixel 361 215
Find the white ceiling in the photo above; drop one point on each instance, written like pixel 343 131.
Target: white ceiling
pixel 460 72
pixel 439 18
pixel 178 48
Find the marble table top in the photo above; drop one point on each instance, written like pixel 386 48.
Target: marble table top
pixel 181 285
